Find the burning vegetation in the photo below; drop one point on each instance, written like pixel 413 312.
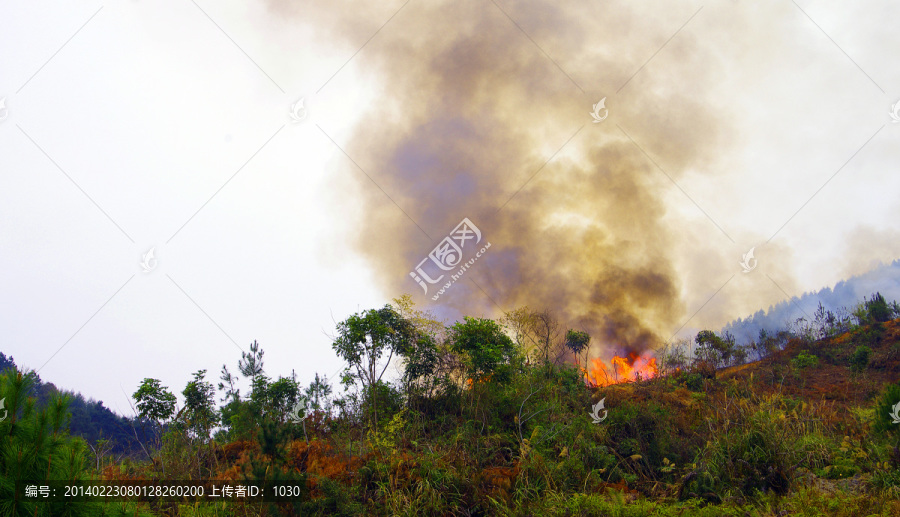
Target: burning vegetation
pixel 632 367
pixel 491 418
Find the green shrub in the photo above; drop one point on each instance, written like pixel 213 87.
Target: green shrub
pixel 757 447
pixel 384 397
pixel 804 360
pixel 870 334
pixel 335 500
pixel 835 355
pixel 692 381
pixel 486 351
pixel 887 480
pixel 884 409
pixel 597 457
pixel 642 429
pixel 849 459
pixel 859 359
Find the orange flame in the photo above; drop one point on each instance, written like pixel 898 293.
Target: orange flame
pixel 621 369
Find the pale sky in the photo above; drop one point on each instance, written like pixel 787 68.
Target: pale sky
pixel 132 125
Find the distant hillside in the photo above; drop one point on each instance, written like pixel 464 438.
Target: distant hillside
pixel 845 294
pixel 91 420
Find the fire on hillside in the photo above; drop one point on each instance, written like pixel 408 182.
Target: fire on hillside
pixel 621 369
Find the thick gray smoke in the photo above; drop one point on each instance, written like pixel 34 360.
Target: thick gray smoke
pixel 470 113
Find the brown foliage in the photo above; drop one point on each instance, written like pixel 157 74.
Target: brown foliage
pixel 115 473
pixel 319 460
pixel 233 451
pixel 498 481
pixel 830 379
pixel 706 369
pixel 233 457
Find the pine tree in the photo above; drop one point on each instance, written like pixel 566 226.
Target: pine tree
pixel 35 446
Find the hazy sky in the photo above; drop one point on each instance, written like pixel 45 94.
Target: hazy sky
pixel 166 125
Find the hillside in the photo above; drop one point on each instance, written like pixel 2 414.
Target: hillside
pixel 846 293
pixel 482 424
pixel 830 379
pixel 90 419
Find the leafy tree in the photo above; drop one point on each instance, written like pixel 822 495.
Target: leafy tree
pixel 100 449
pixel 673 356
pixel 424 322
pixel 739 355
pixel 365 337
pixel 200 406
pixel 878 310
pixel 860 314
pixel 536 332
pixel 283 395
pixel 486 351
pixel 420 356
pixel 717 350
pixel 769 343
pixel 520 322
pixel 578 341
pixel 428 361
pixel 154 402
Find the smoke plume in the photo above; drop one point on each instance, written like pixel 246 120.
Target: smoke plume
pixel 476 120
